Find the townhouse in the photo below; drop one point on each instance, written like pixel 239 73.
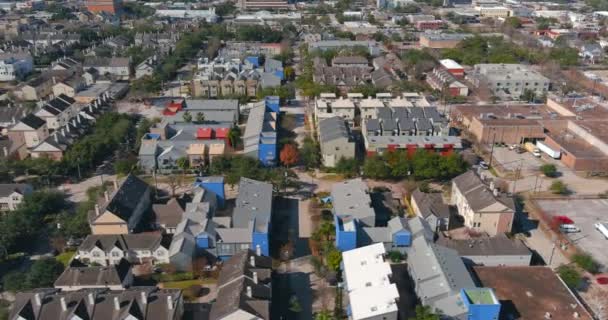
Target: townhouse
pixel 78 277
pixel 149 303
pixel 110 249
pixel 12 194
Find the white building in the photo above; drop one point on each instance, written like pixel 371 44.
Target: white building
pixel 367 280
pixel 11 195
pixel 14 66
pixel 207 15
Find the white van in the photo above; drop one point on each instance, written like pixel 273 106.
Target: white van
pixel 569 228
pixel 602 228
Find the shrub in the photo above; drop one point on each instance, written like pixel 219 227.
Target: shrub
pixel 586 262
pixel 570 275
pixel 549 170
pixel 558 187
pixel 396 256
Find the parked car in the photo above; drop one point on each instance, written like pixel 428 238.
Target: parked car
pixel 513 147
pixel 602 228
pixel 569 228
pixel 536 153
pixel 483 165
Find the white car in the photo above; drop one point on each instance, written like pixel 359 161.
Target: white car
pixel 483 165
pixel 602 228
pixel 513 146
pixel 536 153
pixel 569 228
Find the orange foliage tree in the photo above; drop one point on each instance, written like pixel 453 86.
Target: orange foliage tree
pixel 289 155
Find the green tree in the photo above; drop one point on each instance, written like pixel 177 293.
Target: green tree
pixel 549 170
pixel 309 153
pixel 375 167
pixel 324 315
pixel 125 166
pixel 200 117
pixel 513 22
pixel 14 281
pixel 234 136
pixel 334 259
pixel 187 117
pixel 424 313
pixel 570 275
pixel 348 167
pixel 395 256
pixel 183 163
pixel 586 262
pixel 558 187
pixel 44 272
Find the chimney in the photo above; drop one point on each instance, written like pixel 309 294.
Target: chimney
pixel 106 195
pixel 255 277
pixel 258 250
pixel 144 297
pixel 38 299
pixel 90 108
pixel 116 303
pixel 495 192
pixel 5 149
pixel 116 184
pixel 91 298
pixel 96 209
pixel 64 305
pixel 249 292
pixel 67 126
pixel 492 187
pixel 56 135
pixel 170 302
pixel 14 120
pixel 252 261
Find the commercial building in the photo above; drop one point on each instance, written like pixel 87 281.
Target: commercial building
pixel 493 11
pixel 442 40
pixel 510 124
pixel 108 6
pixel 453 67
pixel 148 303
pixel 509 80
pixel 262 4
pixel 206 15
pixel 533 292
pixel 583 144
pixel 367 280
pixel 260 137
pixel 483 207
pixel 335 141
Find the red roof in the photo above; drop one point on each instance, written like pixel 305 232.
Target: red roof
pixel 563 220
pixel 204 133
pixel 221 133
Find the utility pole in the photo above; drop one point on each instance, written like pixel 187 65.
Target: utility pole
pixel 492 149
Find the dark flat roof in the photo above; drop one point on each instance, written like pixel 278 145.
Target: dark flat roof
pixel 530 292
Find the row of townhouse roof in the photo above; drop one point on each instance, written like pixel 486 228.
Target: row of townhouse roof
pixel 54 127
pixel 327 105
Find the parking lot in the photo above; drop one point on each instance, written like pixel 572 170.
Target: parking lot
pixel 584 213
pixel 511 160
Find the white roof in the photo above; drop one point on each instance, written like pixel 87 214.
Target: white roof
pixel 373 301
pixel 328 95
pixel 365 267
pixel 343 103
pixel 450 64
pixel 371 103
pixel 367 277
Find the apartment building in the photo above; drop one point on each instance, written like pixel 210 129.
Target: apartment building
pixel 509 80
pixel 483 207
pixel 15 66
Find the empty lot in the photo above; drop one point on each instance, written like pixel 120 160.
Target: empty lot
pixel 584 213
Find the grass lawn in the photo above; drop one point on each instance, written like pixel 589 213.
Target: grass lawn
pixel 187 283
pixel 65 257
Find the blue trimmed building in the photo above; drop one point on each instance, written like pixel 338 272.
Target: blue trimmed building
pixel 260 137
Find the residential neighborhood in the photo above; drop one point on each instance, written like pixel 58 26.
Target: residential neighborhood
pixel 304 160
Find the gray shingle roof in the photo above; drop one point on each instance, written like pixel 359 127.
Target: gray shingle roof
pixel 500 245
pixel 6 189
pixel 254 201
pixel 351 199
pixel 94 276
pixel 478 195
pixel 332 128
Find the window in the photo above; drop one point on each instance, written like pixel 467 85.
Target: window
pixel 244 246
pixel 160 253
pixel 96 254
pixel 115 254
